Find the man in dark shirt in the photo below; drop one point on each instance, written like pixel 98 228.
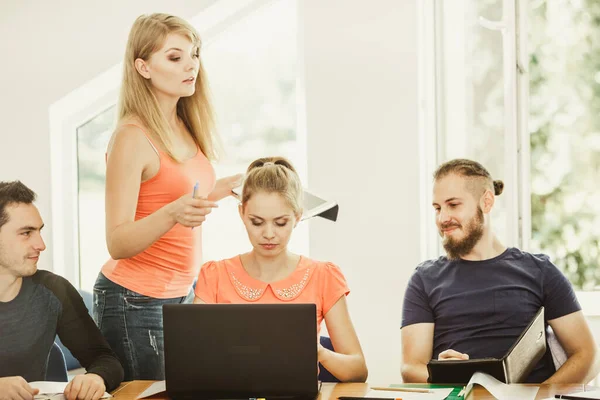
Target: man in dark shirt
pixel 36 305
pixel 476 301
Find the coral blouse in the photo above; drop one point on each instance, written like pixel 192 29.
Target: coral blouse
pixel 316 282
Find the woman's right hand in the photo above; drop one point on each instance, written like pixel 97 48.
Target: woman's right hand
pixel 189 211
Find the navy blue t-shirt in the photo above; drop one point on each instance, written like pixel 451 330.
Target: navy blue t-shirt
pixel 481 307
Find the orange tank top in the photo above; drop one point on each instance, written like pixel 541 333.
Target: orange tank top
pixel 168 267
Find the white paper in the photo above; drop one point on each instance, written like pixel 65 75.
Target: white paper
pixel 53 390
pixel 435 394
pixel 153 389
pixel 500 390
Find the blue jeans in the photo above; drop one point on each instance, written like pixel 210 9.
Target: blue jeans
pixel 132 325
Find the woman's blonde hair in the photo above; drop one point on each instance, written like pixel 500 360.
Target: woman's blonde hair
pixel 274 175
pixel 136 99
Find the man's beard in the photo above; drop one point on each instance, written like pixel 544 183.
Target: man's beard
pixel 455 249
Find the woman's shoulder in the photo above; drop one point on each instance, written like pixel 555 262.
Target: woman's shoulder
pixel 322 267
pixel 131 121
pixel 128 132
pixel 329 281
pixel 130 136
pixel 132 127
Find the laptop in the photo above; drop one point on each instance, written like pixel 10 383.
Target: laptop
pixel 240 351
pixel 514 367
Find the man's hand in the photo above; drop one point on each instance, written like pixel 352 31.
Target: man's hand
pixel 16 388
pixel 85 387
pixel 452 355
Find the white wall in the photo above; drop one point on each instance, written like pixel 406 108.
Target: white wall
pixel 48 49
pixel 361 118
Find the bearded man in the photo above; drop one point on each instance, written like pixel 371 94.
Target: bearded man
pixel 475 301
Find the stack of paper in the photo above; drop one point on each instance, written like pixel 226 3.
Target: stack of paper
pixel 53 390
pixel 155 388
pixel 499 390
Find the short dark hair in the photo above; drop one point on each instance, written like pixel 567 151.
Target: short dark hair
pixel 14 192
pixel 469 169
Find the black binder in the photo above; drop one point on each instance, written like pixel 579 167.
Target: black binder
pixel 514 367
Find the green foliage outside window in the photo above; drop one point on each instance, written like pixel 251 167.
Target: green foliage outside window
pixel 564 123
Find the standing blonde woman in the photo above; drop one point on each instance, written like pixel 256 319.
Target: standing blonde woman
pixel 160 186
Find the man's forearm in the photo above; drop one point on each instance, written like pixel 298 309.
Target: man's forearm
pixel 581 367
pixel 79 333
pixel 414 373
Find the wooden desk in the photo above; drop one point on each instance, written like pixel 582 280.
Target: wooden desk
pixel 331 391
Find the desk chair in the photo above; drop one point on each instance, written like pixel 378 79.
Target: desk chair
pixel 71 361
pixel 324 374
pixel 56 370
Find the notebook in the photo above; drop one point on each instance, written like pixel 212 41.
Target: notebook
pixel 514 367
pixel 54 390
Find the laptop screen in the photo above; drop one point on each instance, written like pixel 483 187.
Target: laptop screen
pixel 234 351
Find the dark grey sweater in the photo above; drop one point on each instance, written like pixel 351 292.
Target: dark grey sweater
pixel 46 305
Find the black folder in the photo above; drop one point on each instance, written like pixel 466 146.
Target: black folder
pixel 514 367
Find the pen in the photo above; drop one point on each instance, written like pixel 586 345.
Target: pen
pixel 413 390
pixel 367 398
pixel 194 193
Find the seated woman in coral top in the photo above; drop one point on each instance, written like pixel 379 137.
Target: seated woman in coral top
pixel 270 273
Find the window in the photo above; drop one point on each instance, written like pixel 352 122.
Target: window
pixel 92 142
pixel 564 121
pixel 470 97
pixel 251 69
pixel 550 202
pixel 250 55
